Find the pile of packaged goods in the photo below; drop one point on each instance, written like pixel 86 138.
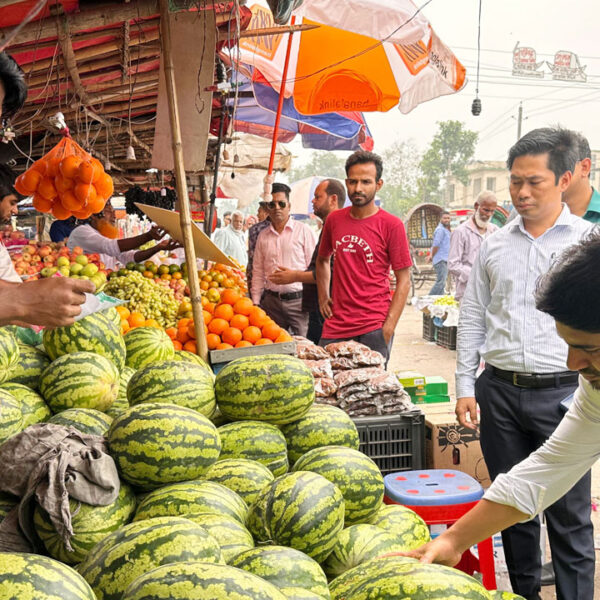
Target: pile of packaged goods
pixel 352 376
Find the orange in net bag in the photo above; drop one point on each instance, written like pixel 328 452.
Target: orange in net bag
pixel 67 181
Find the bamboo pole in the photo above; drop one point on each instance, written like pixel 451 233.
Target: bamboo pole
pixel 182 192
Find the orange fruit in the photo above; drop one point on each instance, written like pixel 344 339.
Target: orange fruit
pixel 258 316
pixel 71 202
pixel 95 204
pixel 104 185
pixel 152 323
pixel 284 336
pixel 209 307
pixel 84 192
pixel 191 347
pixel 42 204
pixel 40 166
pixel 183 323
pixel 125 327
pixel 177 345
pixel 243 344
pixel 204 286
pixel 30 181
pixel 263 341
pixel 212 341
pixel 203 301
pixel 243 306
pixel 271 331
pixel 82 214
pixel 224 311
pixel 239 321
pixel 171 332
pixel 69 165
pixel 60 212
pixel 183 333
pixel 62 184
pixel 123 311
pixel 218 326
pixel 224 346
pixel 252 334
pixel 52 167
pixel 230 297
pixel 136 319
pixel 46 188
pixel 98 170
pixel 214 285
pixel 85 172
pixel 207 316
pixel 232 335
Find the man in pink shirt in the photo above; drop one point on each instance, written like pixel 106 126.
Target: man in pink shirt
pixel 466 240
pixel 285 243
pixel 365 241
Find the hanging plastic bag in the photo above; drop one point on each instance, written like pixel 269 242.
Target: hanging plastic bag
pixel 67 181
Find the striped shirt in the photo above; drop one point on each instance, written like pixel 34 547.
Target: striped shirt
pixel 7 270
pixel 498 321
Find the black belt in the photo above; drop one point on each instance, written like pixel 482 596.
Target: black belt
pixel 290 296
pixel 535 380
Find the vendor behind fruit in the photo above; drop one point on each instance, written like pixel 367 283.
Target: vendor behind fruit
pixel 96 235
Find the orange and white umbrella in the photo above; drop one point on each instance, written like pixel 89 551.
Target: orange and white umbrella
pixel 366 55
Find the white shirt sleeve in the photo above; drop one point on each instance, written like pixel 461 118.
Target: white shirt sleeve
pixel 86 237
pixel 552 470
pixel 7 270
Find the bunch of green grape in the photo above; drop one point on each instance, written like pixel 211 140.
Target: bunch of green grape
pixel 145 296
pixel 446 301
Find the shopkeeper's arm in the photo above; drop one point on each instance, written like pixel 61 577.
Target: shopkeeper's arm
pixel 166 245
pixel 398 303
pixel 131 243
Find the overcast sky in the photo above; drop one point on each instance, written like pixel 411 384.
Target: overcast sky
pixel 545 25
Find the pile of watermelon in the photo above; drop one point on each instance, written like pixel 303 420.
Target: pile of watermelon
pixel 235 486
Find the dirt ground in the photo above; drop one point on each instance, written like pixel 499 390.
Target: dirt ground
pixel 411 353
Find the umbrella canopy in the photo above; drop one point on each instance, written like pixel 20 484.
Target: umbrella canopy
pixel 366 55
pixel 256 108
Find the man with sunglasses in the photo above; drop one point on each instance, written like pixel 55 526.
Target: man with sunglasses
pixel 285 243
pixel 365 242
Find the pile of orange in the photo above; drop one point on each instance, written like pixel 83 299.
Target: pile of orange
pixel 235 322
pixel 66 181
pixel 130 320
pixel 221 276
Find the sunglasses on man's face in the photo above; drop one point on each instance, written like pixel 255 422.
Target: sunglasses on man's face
pixel 272 205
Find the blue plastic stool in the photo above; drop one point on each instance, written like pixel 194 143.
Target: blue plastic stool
pixel 442 496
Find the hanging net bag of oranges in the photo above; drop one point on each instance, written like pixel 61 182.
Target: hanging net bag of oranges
pixel 67 181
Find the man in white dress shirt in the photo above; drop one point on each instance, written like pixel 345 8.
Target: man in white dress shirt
pixel 570 293
pixel 526 376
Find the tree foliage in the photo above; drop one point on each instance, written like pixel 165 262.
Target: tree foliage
pixel 450 151
pixel 400 175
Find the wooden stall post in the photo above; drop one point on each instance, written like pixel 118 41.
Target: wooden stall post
pixel 182 192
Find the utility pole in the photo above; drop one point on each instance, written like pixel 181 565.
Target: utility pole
pixel 519 121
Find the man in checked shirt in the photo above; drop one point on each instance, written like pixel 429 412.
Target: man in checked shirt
pixel 526 376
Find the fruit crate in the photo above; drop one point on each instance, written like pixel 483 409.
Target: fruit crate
pixel 446 337
pixel 393 442
pixel 428 328
pixel 219 358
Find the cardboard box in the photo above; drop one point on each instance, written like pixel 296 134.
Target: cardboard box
pixel 449 445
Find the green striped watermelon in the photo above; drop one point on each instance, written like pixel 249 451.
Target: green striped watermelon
pixel 274 388
pixel 7 503
pixel 257 441
pixel 118 407
pixel 322 425
pixel 247 478
pixel 30 366
pixel 218 419
pixel 157 444
pixel 147 345
pixel 193 358
pixel 356 475
pixel 232 536
pixel 86 420
pixel 126 374
pixel 11 417
pixel 173 382
pixel 120 559
pixel 33 408
pixel 300 594
pixel 301 510
pixel 357 544
pixel 286 568
pixel 112 314
pixel 35 577
pixel 396 577
pixel 80 380
pixel 200 581
pixel 499 595
pixel 90 524
pixel 9 354
pixel 403 523
pixel 94 333
pixel 192 497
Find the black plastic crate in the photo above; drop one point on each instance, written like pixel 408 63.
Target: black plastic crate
pixel 428 328
pixel 394 442
pixel 446 337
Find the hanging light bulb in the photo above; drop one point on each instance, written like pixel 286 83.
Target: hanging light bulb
pixel 130 153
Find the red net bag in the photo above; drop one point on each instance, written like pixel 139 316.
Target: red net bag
pixel 66 181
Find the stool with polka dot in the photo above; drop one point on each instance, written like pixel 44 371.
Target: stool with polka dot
pixel 442 496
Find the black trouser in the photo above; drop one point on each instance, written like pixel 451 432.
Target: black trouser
pixel 315 326
pixel 514 422
pixel 372 339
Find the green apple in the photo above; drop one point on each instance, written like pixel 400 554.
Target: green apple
pixel 62 261
pixel 84 277
pixel 46 272
pixel 82 259
pixel 64 271
pixel 89 270
pixel 76 268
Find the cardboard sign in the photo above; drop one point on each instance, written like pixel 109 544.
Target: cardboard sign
pixel 169 221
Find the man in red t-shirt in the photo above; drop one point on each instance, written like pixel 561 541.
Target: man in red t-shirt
pixel 365 241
